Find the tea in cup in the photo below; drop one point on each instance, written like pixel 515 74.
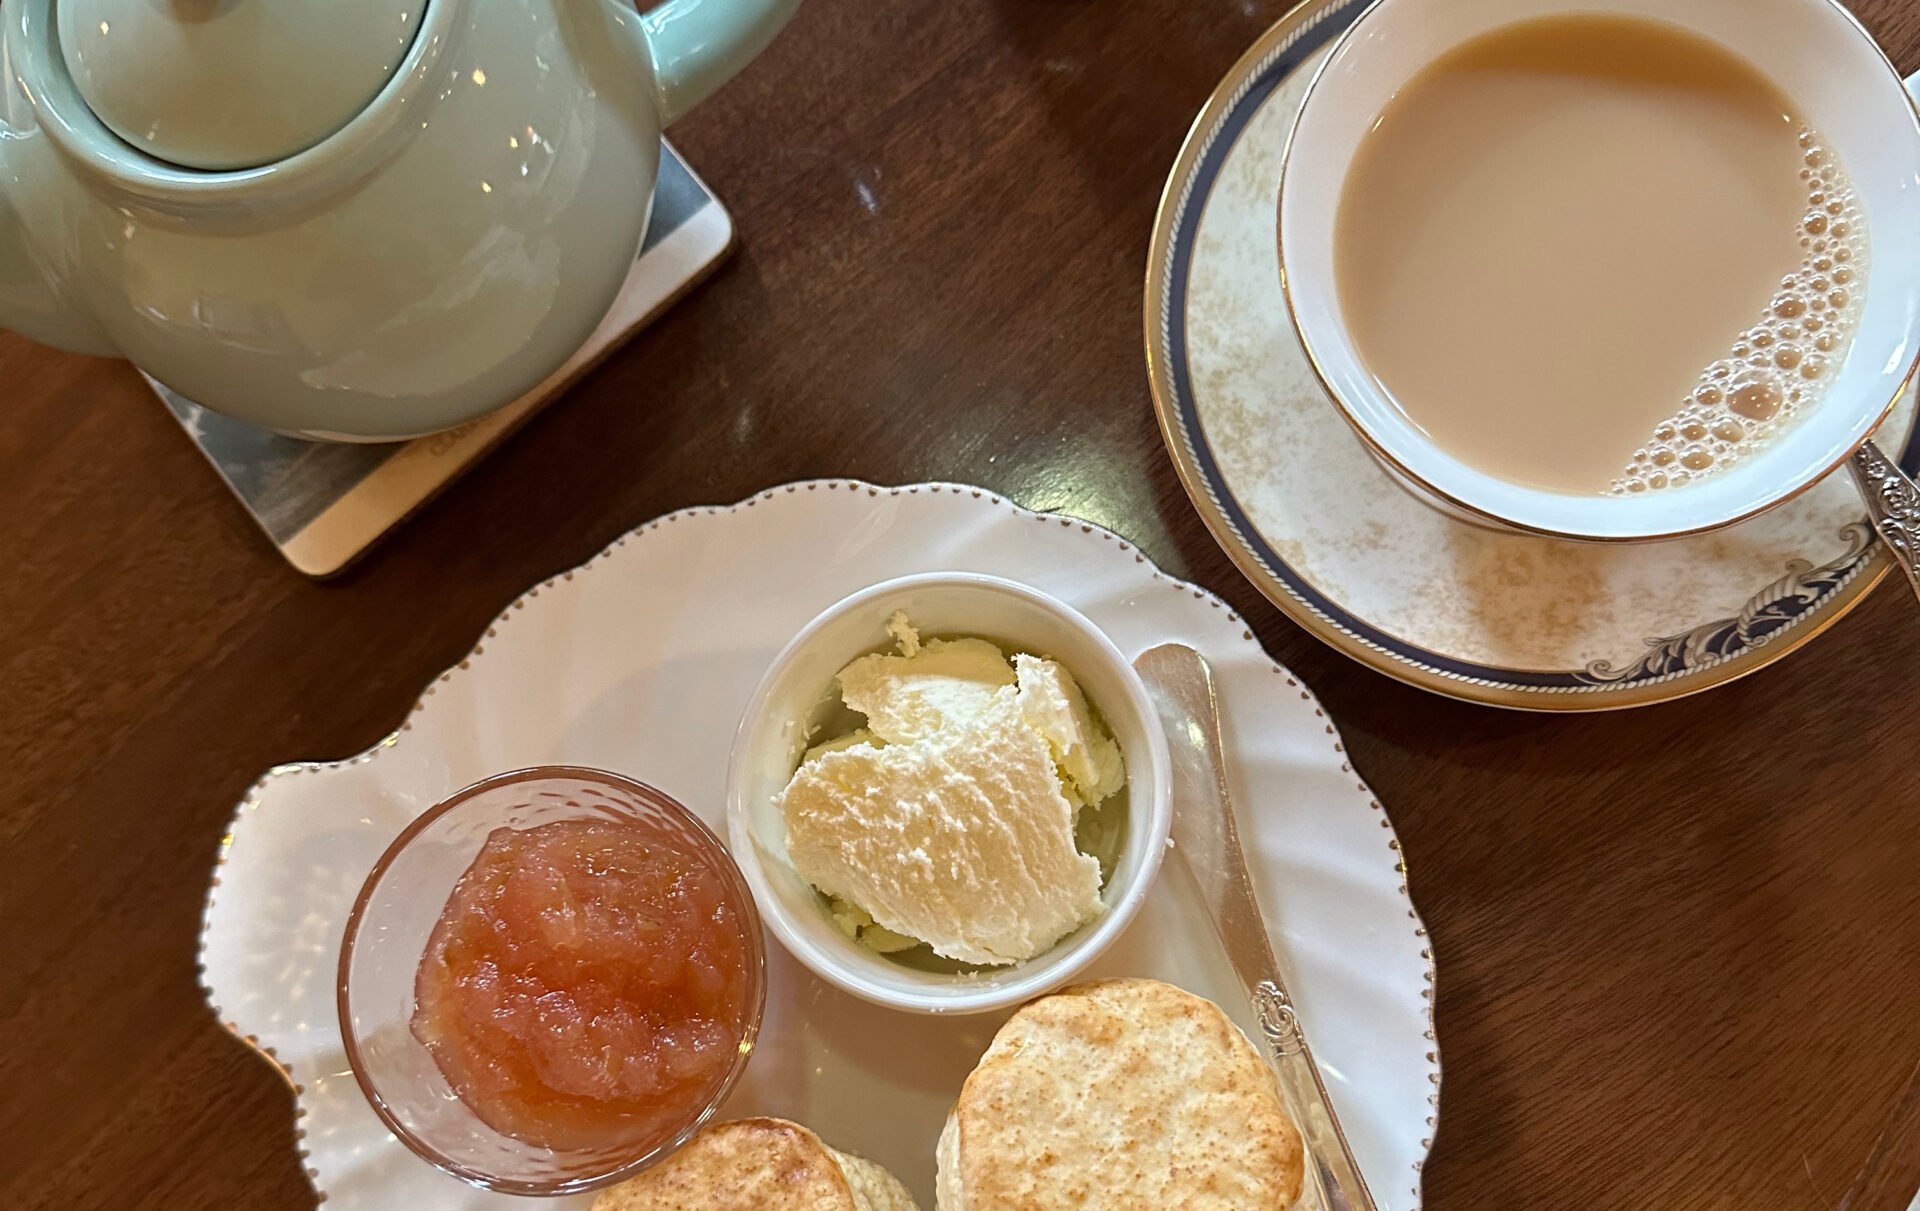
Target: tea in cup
pixel 1615 273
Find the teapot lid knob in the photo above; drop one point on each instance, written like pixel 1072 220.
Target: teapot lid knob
pixel 229 84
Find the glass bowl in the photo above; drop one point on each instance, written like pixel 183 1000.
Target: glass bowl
pixel 387 934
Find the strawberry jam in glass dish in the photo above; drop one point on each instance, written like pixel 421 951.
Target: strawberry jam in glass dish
pixel 551 980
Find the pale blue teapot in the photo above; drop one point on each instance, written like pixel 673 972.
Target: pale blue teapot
pixel 357 219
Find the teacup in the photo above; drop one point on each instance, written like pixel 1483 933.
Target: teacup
pixel 1839 79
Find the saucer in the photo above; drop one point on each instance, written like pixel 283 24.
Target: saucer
pixel 642 661
pixel 1325 533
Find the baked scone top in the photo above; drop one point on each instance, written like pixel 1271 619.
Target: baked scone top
pixel 1125 1095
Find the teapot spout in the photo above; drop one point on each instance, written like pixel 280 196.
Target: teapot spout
pixel 29 303
pixel 698 45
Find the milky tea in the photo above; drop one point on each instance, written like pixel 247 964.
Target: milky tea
pixel 1598 254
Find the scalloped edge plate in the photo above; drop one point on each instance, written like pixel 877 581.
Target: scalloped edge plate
pixel 640 661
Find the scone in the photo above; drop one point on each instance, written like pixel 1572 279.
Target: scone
pixel 759 1164
pixel 1122 1095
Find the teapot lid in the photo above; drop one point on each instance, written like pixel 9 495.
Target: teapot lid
pixel 227 84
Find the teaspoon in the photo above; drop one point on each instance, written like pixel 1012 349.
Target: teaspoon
pixel 1893 505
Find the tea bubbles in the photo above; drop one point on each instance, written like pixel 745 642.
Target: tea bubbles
pixel 1781 366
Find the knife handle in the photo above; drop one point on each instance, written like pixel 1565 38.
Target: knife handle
pixel 1330 1162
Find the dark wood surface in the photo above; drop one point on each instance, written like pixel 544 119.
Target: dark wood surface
pixel 1679 947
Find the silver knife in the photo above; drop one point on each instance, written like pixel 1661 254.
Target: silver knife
pixel 1208 843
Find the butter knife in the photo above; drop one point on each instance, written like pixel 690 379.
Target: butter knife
pixel 1208 844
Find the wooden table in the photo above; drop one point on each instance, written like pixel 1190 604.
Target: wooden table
pixel 1679 947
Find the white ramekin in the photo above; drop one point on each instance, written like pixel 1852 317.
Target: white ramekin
pixel 773 736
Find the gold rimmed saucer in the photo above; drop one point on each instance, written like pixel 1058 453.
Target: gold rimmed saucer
pixel 1292 495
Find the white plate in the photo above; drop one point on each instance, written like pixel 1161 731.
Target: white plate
pixel 641 660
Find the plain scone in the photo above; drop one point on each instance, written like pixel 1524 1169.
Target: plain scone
pixel 1122 1095
pixel 759 1164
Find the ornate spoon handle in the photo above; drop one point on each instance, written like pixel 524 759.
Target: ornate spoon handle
pixel 1893 505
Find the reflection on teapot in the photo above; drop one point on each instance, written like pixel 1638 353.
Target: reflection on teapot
pixel 360 219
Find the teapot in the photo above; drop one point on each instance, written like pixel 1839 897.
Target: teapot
pixel 345 219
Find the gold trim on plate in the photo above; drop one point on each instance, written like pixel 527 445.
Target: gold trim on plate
pixel 255 796
pixel 1278 37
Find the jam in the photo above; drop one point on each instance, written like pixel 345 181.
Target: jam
pixel 589 984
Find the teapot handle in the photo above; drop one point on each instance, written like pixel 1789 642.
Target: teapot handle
pixel 698 45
